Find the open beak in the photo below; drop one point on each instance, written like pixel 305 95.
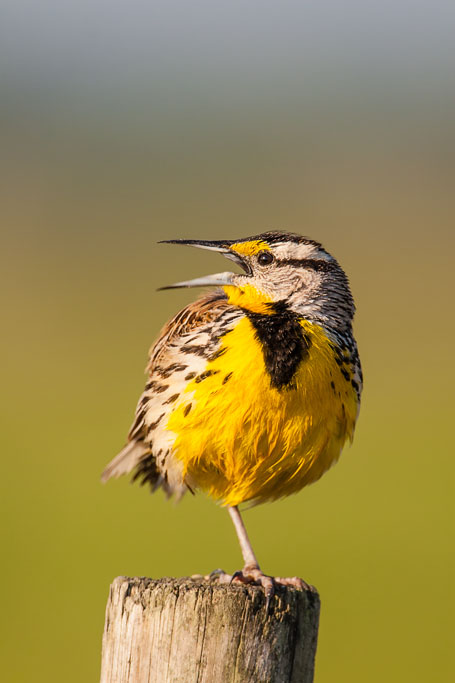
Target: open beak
pixel 218 279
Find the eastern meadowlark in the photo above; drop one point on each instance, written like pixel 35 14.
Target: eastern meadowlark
pixel 254 388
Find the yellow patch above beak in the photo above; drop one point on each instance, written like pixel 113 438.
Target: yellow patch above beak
pixel 250 248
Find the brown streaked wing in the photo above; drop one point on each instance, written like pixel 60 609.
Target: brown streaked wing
pixel 205 310
pixel 208 309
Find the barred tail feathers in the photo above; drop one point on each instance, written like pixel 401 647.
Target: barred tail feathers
pixel 128 458
pixel 136 458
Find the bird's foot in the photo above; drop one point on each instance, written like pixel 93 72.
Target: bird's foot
pixel 218 575
pixel 253 574
pixel 296 582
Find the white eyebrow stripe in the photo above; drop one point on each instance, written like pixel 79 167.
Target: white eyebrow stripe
pixel 302 252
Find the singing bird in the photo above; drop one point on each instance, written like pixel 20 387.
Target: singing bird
pixel 254 388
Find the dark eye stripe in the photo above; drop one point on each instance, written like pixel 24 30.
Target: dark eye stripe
pixel 312 264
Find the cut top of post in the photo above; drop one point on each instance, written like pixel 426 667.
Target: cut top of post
pixel 185 630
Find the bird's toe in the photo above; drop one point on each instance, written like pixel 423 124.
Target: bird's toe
pixel 295 582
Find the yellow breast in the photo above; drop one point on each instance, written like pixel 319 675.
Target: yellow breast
pixel 239 438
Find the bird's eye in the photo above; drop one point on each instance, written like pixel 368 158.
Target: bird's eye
pixel 265 258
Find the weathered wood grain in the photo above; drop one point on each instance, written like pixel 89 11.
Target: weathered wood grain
pixel 187 631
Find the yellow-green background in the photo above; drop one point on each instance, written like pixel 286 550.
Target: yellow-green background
pixel 125 124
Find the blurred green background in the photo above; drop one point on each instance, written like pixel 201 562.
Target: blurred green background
pixel 123 124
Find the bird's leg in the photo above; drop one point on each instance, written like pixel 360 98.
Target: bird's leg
pixel 249 558
pixel 245 545
pixel 251 570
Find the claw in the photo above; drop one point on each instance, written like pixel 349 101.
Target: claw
pixel 255 575
pixel 216 574
pixel 239 576
pixel 267 583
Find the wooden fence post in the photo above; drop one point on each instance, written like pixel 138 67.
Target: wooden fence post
pixel 193 631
